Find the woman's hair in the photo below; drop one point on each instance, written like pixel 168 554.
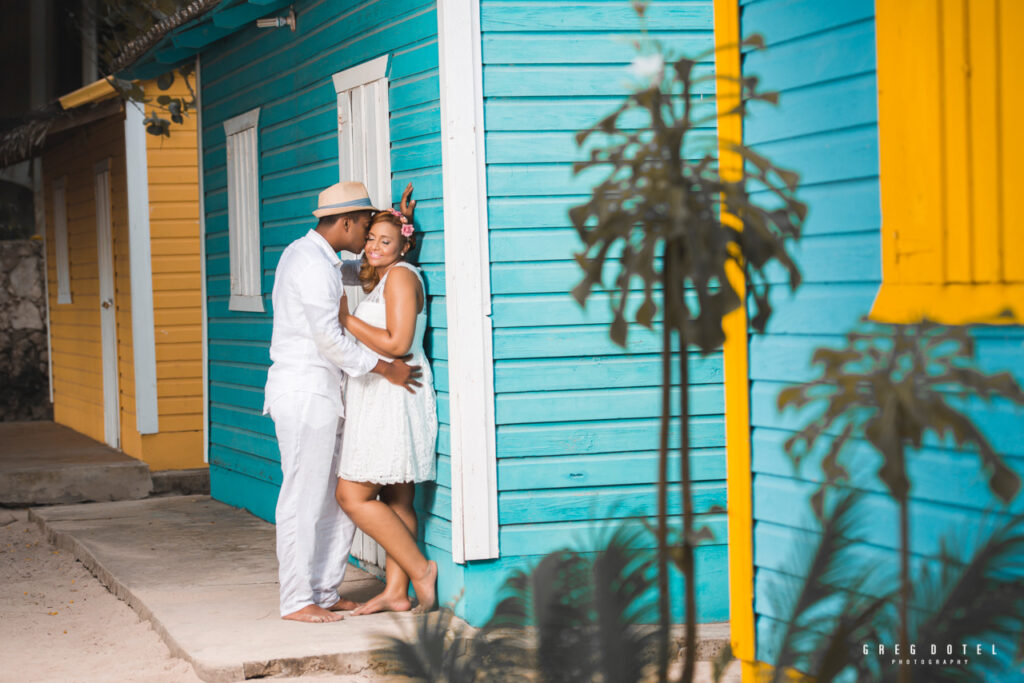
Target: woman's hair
pixel 368 274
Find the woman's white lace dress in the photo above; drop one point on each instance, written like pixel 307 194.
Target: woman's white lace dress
pixel 389 433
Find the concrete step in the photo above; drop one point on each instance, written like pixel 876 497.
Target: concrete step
pixel 43 463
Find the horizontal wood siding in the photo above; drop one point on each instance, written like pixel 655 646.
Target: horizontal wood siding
pixel 577 416
pixel 826 129
pixel 75 328
pixel 288 75
pixel 177 307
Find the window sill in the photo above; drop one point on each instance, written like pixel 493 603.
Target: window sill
pixel 988 304
pixel 251 304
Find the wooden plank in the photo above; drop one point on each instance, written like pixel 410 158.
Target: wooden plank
pixel 910 153
pixel 841 53
pixel 1011 101
pixel 602 437
pixel 603 469
pixel 586 536
pixel 590 16
pixel 607 47
pixel 561 81
pixel 537 407
pixel 609 502
pixel 799 112
pixel 599 371
pixel 783 20
pixel 588 340
pixel 985 141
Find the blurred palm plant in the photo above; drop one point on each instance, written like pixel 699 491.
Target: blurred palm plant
pixel 583 617
pixel 832 602
pixel 665 215
pixel 895 384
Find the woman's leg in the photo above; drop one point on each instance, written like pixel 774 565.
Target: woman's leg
pixel 395 596
pixel 359 501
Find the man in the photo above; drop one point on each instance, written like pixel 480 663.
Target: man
pixel 310 356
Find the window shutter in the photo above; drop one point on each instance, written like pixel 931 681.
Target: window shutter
pixel 244 212
pixel 951 157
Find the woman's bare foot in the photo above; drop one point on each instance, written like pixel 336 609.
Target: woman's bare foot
pixel 343 605
pixel 313 614
pixel 426 589
pixel 384 603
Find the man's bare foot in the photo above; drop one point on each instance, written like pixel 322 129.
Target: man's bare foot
pixel 384 602
pixel 343 605
pixel 313 614
pixel 426 589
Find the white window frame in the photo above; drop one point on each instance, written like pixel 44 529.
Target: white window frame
pixel 242 149
pixel 364 128
pixel 60 240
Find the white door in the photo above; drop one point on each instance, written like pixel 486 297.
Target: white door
pixel 108 311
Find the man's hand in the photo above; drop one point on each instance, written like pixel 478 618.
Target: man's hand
pixel 343 310
pixel 399 372
pixel 407 207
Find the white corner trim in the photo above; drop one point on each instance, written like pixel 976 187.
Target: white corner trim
pixel 39 204
pixel 245 302
pixel 62 263
pixel 147 418
pixel 467 284
pixel 202 265
pixel 237 124
pixel 364 73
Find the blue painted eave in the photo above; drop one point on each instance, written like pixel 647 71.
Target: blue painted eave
pixel 189 39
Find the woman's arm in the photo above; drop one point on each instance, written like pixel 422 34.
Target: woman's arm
pixel 403 295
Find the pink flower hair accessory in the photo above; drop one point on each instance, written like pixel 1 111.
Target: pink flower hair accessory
pixel 407 228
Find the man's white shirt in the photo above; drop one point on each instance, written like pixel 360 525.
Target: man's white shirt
pixel 308 349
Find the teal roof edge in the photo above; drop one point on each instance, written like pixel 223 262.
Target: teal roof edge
pixel 185 34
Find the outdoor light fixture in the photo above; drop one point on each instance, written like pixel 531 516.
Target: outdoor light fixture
pixel 278 22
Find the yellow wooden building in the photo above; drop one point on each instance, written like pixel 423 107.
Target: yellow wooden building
pixel 123 275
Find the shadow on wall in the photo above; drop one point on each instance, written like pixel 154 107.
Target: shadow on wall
pixel 24 376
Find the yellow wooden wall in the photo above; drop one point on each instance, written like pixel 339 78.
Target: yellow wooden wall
pixel 75 327
pixel 174 235
pixel 952 159
pixel 174 241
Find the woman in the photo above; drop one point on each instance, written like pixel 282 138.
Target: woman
pixel 390 432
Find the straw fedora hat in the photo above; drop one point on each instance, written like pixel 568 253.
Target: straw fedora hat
pixel 343 198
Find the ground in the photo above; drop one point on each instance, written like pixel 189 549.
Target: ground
pixel 58 623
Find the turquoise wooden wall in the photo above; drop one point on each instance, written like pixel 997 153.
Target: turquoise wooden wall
pixel 288 75
pixel 821 56
pixel 577 429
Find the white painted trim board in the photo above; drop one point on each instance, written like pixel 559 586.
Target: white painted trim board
pixel 467 284
pixel 202 266
pixel 147 417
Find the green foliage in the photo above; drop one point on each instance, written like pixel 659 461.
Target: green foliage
pixel 827 616
pixel 665 203
pixel 679 226
pixel 894 384
pixel 574 617
pixel 840 603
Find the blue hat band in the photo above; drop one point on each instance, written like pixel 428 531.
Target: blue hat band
pixel 365 201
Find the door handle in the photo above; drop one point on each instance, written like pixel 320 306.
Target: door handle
pixel 108 303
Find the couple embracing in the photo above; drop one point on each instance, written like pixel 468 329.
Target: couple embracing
pixel 352 400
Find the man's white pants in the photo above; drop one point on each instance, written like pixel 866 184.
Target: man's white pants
pixel 314 536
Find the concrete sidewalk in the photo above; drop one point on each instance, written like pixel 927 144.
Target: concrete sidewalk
pixel 205 575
